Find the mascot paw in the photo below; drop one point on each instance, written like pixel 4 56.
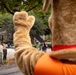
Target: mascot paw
pixel 23 19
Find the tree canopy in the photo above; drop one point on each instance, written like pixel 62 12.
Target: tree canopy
pixel 33 7
pixel 6 23
pixel 12 6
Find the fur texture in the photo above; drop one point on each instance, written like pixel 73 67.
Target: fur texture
pixel 63 27
pixel 63 22
pixel 46 5
pixel 63 33
pixel 26 56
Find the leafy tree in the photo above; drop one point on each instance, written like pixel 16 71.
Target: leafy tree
pixel 12 6
pixel 41 23
pixel 6 25
pixel 33 7
pixel 39 26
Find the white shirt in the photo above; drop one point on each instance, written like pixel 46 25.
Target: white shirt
pixel 1 48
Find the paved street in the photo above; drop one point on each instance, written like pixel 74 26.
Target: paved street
pixel 10 71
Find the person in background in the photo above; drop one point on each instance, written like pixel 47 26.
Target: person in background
pixel 4 50
pixel 38 45
pixel 44 46
pixel 1 47
pixel 1 53
pixel 8 44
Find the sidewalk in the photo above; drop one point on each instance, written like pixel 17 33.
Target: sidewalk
pixel 13 69
pixel 10 70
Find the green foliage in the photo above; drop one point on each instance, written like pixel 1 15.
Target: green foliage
pixel 40 26
pixel 1 20
pixel 17 5
pixel 33 7
pixel 6 23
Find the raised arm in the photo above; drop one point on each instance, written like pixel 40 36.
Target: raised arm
pixel 26 56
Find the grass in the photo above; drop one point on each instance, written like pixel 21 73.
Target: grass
pixel 9 62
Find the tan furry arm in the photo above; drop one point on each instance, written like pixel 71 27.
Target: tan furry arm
pixel 46 4
pixel 26 56
pixel 69 54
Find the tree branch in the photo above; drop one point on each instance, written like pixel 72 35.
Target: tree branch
pixel 32 8
pixel 7 8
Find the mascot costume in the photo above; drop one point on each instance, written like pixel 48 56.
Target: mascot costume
pixel 61 60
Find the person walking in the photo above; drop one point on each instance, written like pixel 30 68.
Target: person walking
pixel 44 47
pixel 4 51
